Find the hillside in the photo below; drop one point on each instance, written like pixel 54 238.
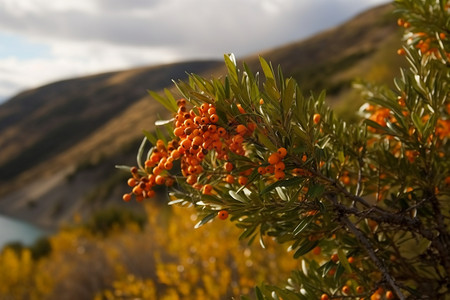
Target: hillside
pixel 59 143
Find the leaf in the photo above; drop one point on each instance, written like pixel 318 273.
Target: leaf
pixel 315 191
pixel 140 153
pixel 267 69
pixel 343 260
pixel 285 182
pixel 305 248
pixel 302 225
pixel 230 62
pixel 164 122
pixel 150 137
pixel 375 125
pixel 237 197
pixel 205 220
pixel 288 95
pixel 165 102
pixel 123 168
pixel 263 139
pixel 258 293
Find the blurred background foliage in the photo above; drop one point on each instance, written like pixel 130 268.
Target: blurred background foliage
pixel 116 256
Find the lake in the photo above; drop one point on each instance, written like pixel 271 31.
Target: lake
pixel 13 230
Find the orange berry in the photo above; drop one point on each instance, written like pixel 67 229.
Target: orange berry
pixel 334 257
pixel 150 194
pixel 156 170
pixel 262 170
pixel 198 140
pixel 261 101
pixel 221 131
pixel 223 214
pixel 279 175
pixel 241 110
pixel 242 180
pixel 280 166
pixel 214 118
pixel 241 129
pixel 179 131
pixel 211 111
pixel 282 152
pixel 168 165
pixel 251 127
pixel 159 180
pixel 345 180
pixel 401 51
pixel 270 169
pixel 186 144
pixel 191 179
pixel 316 118
pixel 442 36
pixel 175 154
pixel 126 197
pixel 406 25
pixel 228 167
pixel 207 189
pixel 204 107
pixel 332 271
pixel 390 295
pixel 229 179
pixel 400 22
pixel 346 289
pixel 273 158
pixel 137 190
pixel 360 289
pixel 131 182
pixel 316 250
pixel 351 260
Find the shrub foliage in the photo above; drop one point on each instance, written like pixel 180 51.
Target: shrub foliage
pixel 372 196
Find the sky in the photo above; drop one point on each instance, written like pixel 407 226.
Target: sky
pixel 47 40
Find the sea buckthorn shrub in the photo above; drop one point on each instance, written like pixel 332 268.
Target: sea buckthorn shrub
pixel 364 206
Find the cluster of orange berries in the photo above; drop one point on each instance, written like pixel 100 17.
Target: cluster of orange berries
pixel 276 165
pixel 377 295
pixel 196 133
pixel 424 43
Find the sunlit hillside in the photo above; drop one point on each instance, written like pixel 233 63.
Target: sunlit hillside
pixel 60 142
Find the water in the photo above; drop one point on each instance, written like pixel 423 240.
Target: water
pixel 13 230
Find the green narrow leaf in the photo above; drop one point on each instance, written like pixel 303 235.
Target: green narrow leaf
pixel 285 182
pixel 343 260
pixel 305 248
pixel 258 293
pixel 150 137
pixel 164 122
pixel 315 191
pixel 375 125
pixel 267 69
pixel 263 139
pixel 230 63
pixel 287 97
pixel 166 103
pixel 140 153
pixel 123 168
pixel 302 225
pixel 237 197
pixel 205 220
pixel 171 99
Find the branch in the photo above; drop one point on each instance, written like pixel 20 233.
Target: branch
pixel 369 248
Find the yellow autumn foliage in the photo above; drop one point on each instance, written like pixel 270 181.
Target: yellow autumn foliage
pixel 168 259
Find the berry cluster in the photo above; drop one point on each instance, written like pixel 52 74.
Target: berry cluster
pixel 197 133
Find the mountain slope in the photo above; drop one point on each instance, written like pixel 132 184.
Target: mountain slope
pixel 59 143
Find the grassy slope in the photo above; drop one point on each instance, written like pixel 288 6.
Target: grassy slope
pixel 60 142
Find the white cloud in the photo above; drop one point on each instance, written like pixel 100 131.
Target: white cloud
pixel 87 36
